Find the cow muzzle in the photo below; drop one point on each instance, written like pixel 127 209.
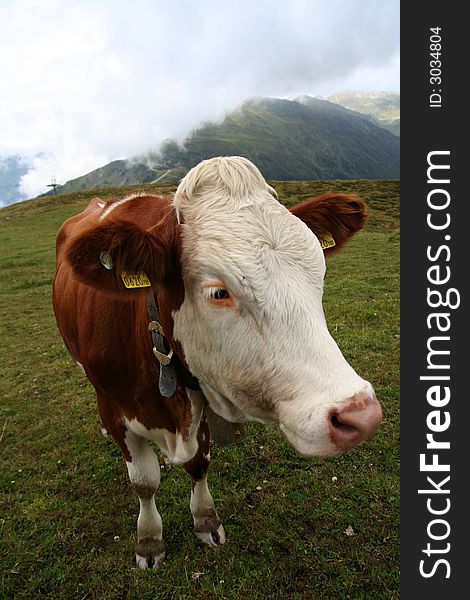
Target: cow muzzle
pixel 354 421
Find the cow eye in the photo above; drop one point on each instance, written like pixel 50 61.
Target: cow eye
pixel 218 293
pixel 215 292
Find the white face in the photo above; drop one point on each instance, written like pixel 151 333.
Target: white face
pixel 252 325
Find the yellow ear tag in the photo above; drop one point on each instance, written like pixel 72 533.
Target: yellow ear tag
pixel 326 240
pixel 135 280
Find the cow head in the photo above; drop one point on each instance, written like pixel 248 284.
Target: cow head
pixel 249 316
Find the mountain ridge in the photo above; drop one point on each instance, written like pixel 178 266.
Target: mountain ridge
pixel 287 140
pixel 382 107
pixel 303 138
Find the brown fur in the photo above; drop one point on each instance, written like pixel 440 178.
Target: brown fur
pixel 104 326
pixel 342 215
pixel 133 240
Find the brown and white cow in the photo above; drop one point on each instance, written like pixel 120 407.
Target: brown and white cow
pixel 236 285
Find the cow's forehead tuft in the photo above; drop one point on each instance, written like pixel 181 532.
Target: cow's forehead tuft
pixel 228 182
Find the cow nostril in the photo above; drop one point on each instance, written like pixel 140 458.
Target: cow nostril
pixel 354 421
pixel 344 427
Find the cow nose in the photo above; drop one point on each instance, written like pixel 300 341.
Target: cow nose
pixel 354 421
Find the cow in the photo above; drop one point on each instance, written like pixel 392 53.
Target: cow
pixel 212 297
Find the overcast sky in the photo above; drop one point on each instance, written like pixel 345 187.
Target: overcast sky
pixel 85 82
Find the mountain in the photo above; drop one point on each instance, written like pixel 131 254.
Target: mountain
pixel 115 173
pixel 12 169
pixel 382 107
pixel 306 138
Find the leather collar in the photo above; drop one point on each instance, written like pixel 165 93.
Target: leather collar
pixel 172 370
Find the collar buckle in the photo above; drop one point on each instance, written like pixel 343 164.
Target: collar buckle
pixel 155 326
pixel 163 359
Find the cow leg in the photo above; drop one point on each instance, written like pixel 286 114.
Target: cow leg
pixel 144 474
pixel 207 525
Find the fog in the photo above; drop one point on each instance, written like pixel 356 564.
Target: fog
pixel 84 83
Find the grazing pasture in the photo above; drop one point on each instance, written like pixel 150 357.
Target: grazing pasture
pixel 297 528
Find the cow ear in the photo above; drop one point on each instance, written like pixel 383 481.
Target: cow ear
pixel 118 255
pixel 333 218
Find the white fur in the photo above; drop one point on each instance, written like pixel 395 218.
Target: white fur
pixel 144 468
pixel 144 472
pixel 81 367
pixel 203 509
pixel 110 207
pixel 270 357
pixel 177 448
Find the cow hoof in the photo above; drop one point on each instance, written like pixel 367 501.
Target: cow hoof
pixel 210 532
pixel 149 553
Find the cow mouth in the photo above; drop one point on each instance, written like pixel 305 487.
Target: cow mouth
pixel 319 445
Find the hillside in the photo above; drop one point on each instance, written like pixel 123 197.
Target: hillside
pixel 115 173
pixel 382 107
pixel 307 138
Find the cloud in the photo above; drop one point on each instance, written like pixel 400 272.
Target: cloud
pixel 89 82
pixel 74 159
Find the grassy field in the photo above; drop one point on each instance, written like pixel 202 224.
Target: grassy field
pixel 67 512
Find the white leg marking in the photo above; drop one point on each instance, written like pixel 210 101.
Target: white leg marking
pixel 144 473
pixel 207 525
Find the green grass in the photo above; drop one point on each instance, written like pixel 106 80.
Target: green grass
pixel 67 512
